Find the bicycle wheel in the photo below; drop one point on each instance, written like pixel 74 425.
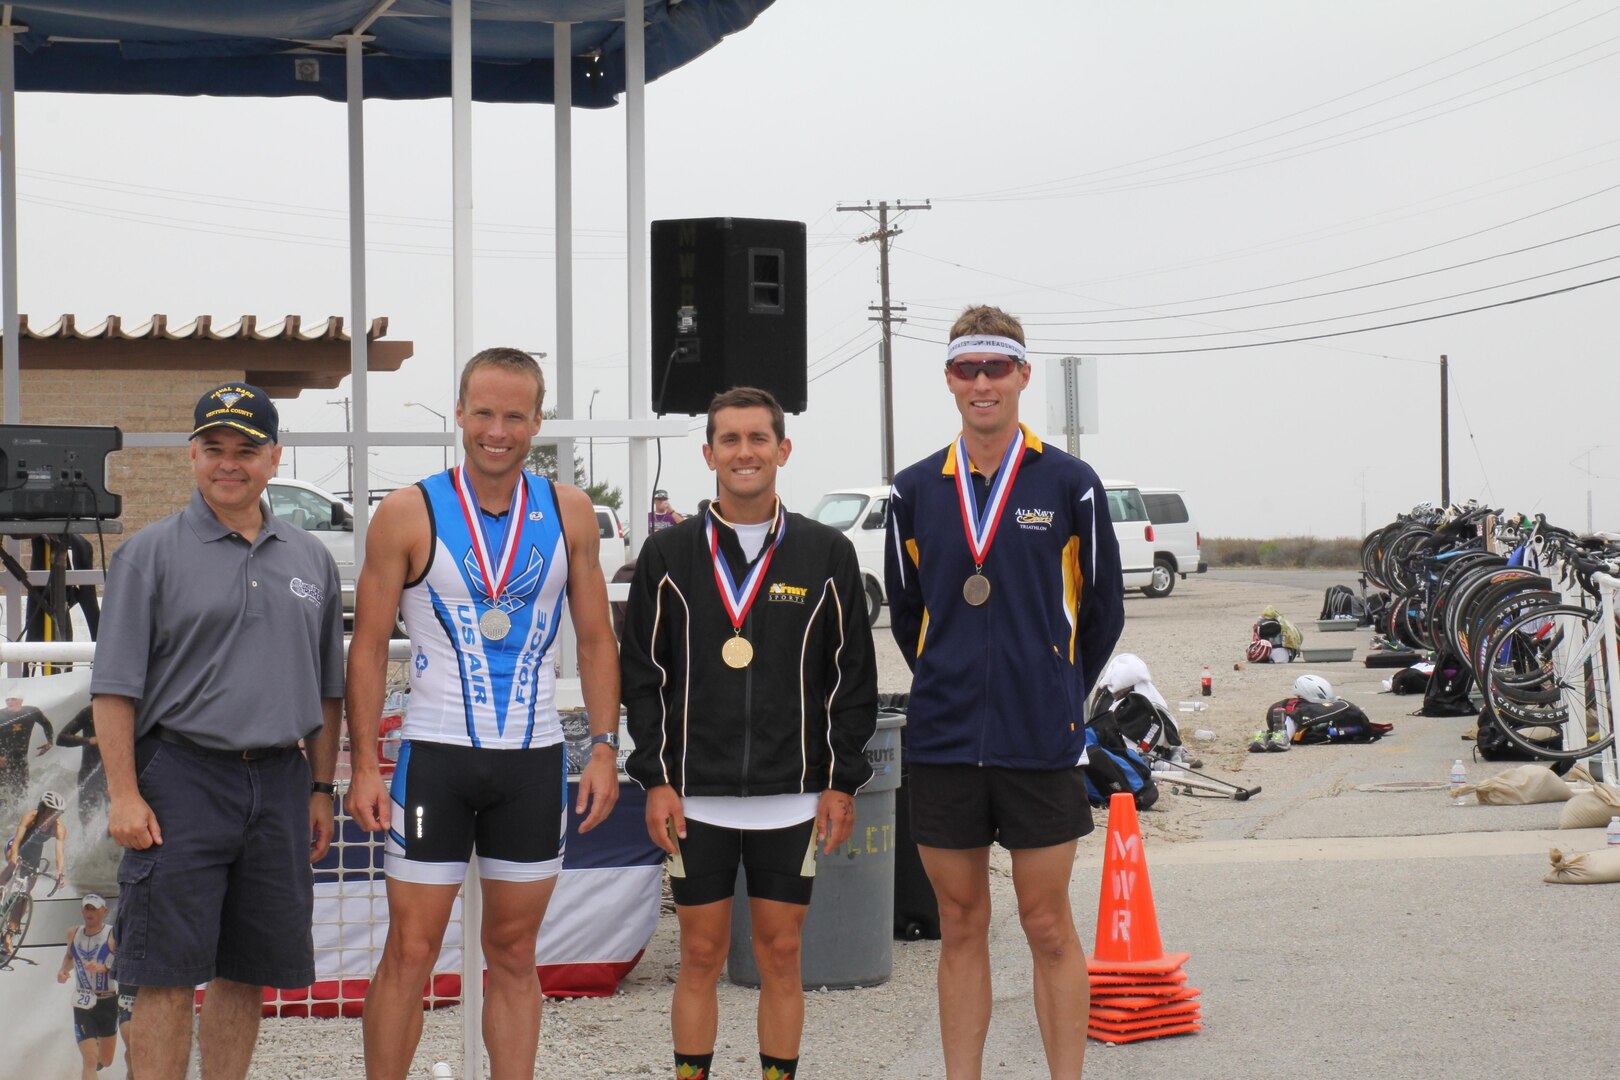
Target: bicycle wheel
pixel 19 909
pixel 1558 648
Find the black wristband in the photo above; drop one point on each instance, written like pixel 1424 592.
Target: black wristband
pixel 318 788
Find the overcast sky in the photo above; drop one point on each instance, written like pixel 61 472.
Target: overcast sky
pixel 1131 178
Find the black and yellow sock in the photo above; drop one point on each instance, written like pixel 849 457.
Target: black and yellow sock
pixel 693 1066
pixel 775 1068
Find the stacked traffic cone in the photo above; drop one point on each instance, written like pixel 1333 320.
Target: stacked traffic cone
pixel 1137 990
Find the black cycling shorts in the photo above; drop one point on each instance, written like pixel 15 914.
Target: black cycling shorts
pixel 780 863
pixel 99 1021
pixel 972 806
pixel 511 806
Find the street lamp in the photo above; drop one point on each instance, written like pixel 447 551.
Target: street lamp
pixel 444 426
pixel 590 440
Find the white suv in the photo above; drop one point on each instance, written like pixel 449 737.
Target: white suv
pixel 1178 546
pixel 1133 530
pixel 862 515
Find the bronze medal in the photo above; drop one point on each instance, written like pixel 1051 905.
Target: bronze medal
pixel 737 652
pixel 976 589
pixel 494 624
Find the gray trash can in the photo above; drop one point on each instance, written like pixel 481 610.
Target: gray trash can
pixel 849 929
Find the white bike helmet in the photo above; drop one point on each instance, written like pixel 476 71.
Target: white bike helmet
pixel 1313 688
pixel 53 801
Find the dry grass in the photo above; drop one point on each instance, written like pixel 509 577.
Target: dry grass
pixel 1285 552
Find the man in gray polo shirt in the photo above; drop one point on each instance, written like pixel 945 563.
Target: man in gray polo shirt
pixel 221 646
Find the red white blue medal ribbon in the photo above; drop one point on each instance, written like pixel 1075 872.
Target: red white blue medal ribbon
pixel 980 525
pixel 738 599
pixel 495 583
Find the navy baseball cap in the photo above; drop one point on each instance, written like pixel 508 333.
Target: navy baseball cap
pixel 240 407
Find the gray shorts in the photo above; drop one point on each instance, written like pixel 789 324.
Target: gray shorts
pixel 229 892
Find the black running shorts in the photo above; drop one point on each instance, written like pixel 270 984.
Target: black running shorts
pixel 973 806
pixel 99 1021
pixel 780 863
pixel 511 806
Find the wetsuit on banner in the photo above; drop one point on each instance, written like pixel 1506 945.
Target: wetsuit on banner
pixel 482 677
pixel 16 732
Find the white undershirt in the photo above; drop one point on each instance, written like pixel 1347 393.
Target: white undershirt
pixel 751 811
pixel 752 538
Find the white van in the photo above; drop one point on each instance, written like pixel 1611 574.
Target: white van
pixel 1178 547
pixel 1134 531
pixel 862 514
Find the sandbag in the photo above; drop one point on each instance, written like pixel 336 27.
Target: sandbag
pixel 1584 868
pixel 1590 809
pixel 1518 787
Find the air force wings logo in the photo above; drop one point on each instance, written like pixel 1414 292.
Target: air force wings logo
pixel 522 583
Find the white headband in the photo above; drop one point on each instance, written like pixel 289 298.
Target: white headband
pixel 977 343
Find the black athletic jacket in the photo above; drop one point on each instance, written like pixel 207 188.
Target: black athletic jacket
pixel 797 719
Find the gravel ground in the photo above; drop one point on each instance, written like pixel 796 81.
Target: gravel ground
pixel 1206 620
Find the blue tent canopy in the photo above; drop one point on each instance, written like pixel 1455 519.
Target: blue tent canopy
pixel 286 48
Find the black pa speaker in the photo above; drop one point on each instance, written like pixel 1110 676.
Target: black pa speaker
pixel 728 299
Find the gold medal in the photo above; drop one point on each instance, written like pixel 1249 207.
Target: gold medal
pixel 494 624
pixel 737 652
pixel 976 589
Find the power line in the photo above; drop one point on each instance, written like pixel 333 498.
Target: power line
pixel 1339 318
pixel 1287 116
pixel 1295 281
pixel 1346 227
pixel 1310 296
pixel 1315 337
pixel 1286 153
pixel 857 353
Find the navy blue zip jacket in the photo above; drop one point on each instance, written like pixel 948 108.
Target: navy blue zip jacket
pixel 1005 683
pixel 797 718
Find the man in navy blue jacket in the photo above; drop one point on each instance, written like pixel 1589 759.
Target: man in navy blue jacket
pixel 1006 599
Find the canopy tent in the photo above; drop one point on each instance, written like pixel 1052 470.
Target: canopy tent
pixel 275 48
pixel 494 50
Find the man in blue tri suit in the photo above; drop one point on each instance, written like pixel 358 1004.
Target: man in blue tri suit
pixel 88 961
pixel 482 560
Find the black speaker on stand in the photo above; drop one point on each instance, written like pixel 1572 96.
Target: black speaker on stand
pixel 728 309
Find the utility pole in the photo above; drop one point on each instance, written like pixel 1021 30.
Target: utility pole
pixel 886 311
pixel 343 401
pixel 1587 454
pixel 1445 433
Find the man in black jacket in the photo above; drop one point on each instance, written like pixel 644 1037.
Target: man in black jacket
pixel 751 687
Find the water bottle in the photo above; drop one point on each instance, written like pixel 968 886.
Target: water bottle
pixel 1459 780
pixel 1614 832
pixel 1207 684
pixel 442 1071
pixel 1191 706
pixel 1204 735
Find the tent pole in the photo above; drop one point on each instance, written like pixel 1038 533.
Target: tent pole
pixel 562 130
pixel 472 898
pixel 360 482
pixel 635 168
pixel 11 384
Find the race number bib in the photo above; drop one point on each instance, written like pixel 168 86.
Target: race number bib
pixel 83 999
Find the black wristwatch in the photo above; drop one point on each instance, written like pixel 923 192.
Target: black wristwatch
pixel 611 738
pixel 316 787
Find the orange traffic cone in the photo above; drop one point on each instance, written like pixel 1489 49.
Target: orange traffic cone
pixel 1127 926
pixel 1138 991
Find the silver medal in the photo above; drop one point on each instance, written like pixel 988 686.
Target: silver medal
pixel 494 624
